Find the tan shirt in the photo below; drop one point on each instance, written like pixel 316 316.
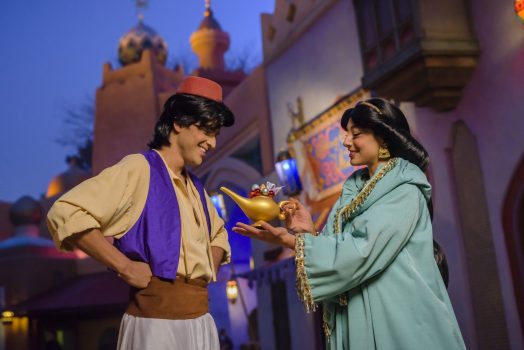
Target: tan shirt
pixel 113 201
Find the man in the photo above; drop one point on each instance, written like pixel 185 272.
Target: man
pixel 169 239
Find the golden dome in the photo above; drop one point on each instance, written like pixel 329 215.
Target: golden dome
pixel 210 42
pixel 67 180
pixel 209 21
pixel 138 39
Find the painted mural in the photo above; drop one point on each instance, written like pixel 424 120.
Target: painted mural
pixel 323 160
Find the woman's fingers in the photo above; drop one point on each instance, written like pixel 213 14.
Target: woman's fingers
pixel 240 230
pixel 266 226
pixel 292 207
pixel 267 232
pixel 246 229
pixel 289 206
pixel 251 231
pixel 242 225
pixel 297 203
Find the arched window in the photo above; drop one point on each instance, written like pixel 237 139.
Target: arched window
pixel 513 223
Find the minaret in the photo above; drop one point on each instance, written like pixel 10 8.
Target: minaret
pixel 141 37
pixel 130 99
pixel 210 43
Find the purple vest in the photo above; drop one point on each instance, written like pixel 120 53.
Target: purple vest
pixel 155 237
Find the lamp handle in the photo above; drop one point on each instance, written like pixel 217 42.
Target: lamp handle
pixel 281 216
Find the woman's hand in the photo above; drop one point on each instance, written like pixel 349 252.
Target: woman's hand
pixel 268 233
pixel 298 218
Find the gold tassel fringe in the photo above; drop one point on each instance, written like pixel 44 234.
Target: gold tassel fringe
pixel 303 287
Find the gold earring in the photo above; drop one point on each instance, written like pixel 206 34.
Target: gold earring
pixel 383 153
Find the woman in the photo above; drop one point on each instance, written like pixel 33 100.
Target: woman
pixel 372 266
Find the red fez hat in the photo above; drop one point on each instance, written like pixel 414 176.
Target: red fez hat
pixel 200 87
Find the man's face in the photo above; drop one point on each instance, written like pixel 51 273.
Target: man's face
pixel 194 144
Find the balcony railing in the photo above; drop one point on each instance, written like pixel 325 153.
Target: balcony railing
pixel 416 50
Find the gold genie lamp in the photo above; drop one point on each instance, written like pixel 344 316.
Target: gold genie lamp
pixel 260 205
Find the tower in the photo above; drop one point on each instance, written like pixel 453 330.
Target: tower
pixel 130 98
pixel 209 42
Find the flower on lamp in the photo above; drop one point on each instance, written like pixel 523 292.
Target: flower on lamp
pixel 286 167
pixel 268 189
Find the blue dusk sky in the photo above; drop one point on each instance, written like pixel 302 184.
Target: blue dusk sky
pixel 51 60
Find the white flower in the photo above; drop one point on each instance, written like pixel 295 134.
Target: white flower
pixel 272 187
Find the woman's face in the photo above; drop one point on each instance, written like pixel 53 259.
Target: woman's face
pixel 362 145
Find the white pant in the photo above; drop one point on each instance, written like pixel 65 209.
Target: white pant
pixel 138 333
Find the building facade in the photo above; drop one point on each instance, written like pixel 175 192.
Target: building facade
pixel 454 68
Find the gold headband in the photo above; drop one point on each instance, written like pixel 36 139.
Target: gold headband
pixel 370 105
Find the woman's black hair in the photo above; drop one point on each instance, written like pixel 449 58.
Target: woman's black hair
pixel 387 122
pixel 185 110
pixel 442 263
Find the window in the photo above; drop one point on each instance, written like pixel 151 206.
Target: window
pixel 385 27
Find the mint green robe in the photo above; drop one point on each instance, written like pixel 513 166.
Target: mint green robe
pixel 376 276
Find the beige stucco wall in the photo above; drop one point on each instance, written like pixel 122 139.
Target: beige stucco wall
pixel 324 62
pixel 321 65
pixel 248 102
pixel 492 109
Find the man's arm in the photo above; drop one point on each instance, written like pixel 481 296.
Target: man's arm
pixel 220 249
pixel 111 200
pixel 218 256
pixel 93 243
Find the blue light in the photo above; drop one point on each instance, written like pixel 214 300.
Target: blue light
pixel 218 202
pixel 286 168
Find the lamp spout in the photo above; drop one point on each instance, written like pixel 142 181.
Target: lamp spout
pixel 242 202
pixel 258 209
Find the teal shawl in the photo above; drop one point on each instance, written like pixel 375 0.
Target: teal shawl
pixel 372 266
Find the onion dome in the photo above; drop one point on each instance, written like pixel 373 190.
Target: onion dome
pixel 210 42
pixel 141 37
pixel 68 179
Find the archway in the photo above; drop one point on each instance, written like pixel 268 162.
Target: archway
pixel 238 176
pixel 513 223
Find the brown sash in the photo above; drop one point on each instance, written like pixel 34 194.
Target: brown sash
pixel 181 299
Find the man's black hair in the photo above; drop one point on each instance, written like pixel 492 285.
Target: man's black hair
pixel 185 110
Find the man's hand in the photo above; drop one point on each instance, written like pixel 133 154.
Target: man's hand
pixel 268 233
pixel 136 274
pixel 93 243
